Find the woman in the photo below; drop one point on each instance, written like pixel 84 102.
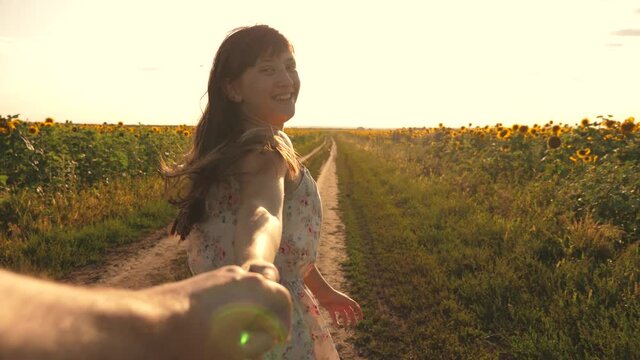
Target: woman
pixel 249 201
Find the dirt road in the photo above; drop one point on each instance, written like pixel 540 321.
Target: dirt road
pixel 332 252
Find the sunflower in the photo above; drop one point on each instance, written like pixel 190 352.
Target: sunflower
pixel 584 122
pixel 120 124
pixel 186 133
pixel 48 121
pixel 554 142
pixel 627 126
pixel 523 129
pixel 7 127
pixel 504 134
pixel 583 153
pixel 515 127
pixel 555 129
pixel 33 129
pixel 155 129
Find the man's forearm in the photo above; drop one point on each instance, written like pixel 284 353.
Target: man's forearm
pixel 73 323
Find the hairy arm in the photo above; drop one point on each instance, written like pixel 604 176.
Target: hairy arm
pixel 40 319
pixel 189 319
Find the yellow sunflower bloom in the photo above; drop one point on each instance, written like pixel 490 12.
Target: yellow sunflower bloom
pixel 584 122
pixel 583 153
pixel 504 134
pixel 628 126
pixel 554 142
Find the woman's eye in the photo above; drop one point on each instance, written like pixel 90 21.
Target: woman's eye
pixel 291 67
pixel 267 70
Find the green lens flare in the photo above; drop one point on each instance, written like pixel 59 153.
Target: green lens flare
pixel 256 317
pixel 244 338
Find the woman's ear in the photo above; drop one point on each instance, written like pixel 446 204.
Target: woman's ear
pixel 231 90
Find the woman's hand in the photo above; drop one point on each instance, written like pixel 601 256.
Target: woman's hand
pixel 339 304
pixel 262 267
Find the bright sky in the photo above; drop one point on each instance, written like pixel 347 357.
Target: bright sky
pixel 361 63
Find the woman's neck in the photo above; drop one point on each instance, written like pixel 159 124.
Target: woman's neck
pixel 251 122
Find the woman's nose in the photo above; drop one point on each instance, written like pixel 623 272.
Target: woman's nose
pixel 284 78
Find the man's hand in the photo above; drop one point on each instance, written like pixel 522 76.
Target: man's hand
pixel 229 313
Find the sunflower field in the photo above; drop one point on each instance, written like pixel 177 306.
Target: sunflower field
pixel 494 242
pixel 69 191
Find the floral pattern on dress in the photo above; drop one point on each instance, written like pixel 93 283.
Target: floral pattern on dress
pixel 211 245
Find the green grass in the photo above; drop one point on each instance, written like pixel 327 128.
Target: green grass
pixel 455 265
pixel 55 253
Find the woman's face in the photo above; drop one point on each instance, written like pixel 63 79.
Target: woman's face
pixel 268 91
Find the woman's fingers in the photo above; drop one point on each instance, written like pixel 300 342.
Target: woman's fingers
pixel 334 317
pixel 352 317
pixel 266 269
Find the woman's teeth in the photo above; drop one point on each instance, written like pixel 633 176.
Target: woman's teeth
pixel 282 97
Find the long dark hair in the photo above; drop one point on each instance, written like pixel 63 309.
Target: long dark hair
pixel 218 141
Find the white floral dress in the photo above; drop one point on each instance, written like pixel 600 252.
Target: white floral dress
pixel 211 245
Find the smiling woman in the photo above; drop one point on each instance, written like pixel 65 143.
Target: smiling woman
pixel 268 90
pixel 248 203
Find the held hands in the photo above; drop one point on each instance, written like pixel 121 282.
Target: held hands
pixel 264 268
pixel 340 305
pixel 230 313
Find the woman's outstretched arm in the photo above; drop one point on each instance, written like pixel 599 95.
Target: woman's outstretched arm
pixel 338 304
pixel 259 226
